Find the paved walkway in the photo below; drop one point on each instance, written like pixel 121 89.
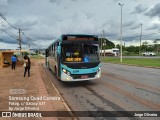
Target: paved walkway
pixel 13 84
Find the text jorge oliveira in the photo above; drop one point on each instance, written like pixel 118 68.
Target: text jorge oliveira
pixel 145 114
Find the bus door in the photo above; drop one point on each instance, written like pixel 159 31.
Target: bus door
pixel 46 57
pixel 58 59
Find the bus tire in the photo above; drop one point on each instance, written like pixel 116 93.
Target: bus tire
pixel 55 71
pixel 49 67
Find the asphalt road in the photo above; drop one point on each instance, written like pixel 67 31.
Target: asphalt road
pixel 121 88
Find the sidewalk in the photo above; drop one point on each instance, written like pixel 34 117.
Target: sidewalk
pixel 37 85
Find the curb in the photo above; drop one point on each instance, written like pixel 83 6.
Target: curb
pixel 62 99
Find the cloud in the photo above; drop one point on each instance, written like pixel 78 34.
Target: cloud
pixel 128 24
pixel 25 24
pixel 11 2
pixel 155 11
pixel 55 1
pixel 3 6
pixel 3 2
pixel 42 37
pixel 52 1
pixel 139 9
pixel 8 39
pixel 136 26
pixel 155 26
pixel 46 20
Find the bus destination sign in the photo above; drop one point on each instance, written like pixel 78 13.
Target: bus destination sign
pixel 79 38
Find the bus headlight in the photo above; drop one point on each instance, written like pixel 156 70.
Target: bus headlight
pixel 65 71
pixel 98 69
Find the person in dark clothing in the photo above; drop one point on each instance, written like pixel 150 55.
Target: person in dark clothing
pixel 14 60
pixel 6 62
pixel 28 65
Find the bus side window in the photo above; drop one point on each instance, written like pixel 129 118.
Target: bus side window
pixel 50 51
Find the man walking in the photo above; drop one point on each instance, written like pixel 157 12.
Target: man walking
pixel 14 60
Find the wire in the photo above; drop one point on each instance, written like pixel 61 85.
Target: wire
pixel 9 33
pixel 131 37
pixel 7 21
pixel 31 41
pixel 11 25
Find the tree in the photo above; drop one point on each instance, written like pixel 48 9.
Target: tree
pixel 144 46
pixel 119 47
pixel 132 49
pixel 156 46
pixel 106 43
pixel 37 52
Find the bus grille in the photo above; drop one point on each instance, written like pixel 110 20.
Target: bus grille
pixel 77 76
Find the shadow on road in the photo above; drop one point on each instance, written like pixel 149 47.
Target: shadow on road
pixel 79 83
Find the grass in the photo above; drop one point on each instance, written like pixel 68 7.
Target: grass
pixel 151 62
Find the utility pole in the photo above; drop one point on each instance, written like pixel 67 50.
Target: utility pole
pixel 140 40
pixel 20 40
pixel 121 31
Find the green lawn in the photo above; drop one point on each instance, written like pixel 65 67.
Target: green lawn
pixel 155 62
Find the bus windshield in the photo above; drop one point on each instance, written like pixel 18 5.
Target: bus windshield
pixel 80 53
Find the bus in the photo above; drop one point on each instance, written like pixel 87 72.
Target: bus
pixel 74 57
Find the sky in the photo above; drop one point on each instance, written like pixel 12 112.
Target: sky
pixel 42 21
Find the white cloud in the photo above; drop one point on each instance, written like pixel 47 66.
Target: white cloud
pixel 45 20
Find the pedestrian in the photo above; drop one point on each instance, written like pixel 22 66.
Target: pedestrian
pixel 28 65
pixel 14 60
pixel 6 62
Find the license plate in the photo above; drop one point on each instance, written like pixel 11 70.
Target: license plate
pixel 84 76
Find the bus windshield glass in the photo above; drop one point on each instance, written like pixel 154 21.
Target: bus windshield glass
pixel 80 53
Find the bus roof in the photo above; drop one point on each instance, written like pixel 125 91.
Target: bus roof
pixel 89 35
pixel 64 35
pixel 52 43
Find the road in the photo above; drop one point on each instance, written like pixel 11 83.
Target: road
pixel 121 88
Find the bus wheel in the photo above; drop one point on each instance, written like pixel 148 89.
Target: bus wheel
pixel 55 71
pixel 49 67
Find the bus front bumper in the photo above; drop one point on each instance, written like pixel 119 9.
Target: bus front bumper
pixel 67 78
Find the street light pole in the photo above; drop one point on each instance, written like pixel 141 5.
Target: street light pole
pixel 140 40
pixel 104 45
pixel 101 47
pixel 121 31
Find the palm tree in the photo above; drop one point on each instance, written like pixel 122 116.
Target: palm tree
pixel 144 45
pixel 155 45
